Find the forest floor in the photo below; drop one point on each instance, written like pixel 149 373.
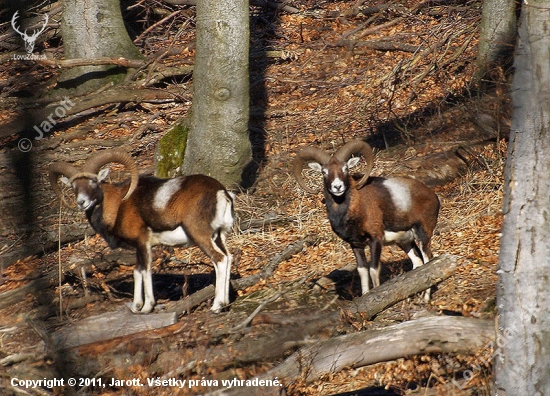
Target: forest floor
pixel 323 81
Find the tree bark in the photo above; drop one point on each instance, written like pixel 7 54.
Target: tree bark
pixel 522 363
pixel 218 144
pixel 94 29
pixel 497 35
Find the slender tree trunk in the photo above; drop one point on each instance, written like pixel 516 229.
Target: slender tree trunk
pixel 218 142
pixel 94 29
pixel 497 35
pixel 522 366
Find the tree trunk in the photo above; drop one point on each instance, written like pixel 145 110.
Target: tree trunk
pixel 94 29
pixel 522 363
pixel 497 35
pixel 218 144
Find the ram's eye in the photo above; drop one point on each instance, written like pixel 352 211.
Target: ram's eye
pixel 325 171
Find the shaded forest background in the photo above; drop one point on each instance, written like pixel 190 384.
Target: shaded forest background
pixel 322 73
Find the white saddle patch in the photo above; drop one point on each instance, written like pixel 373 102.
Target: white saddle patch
pixel 399 193
pixel 165 193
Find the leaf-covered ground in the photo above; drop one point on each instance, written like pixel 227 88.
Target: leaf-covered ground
pixel 397 74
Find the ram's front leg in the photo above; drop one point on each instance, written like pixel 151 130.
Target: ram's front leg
pixel 362 268
pixel 143 281
pixel 138 290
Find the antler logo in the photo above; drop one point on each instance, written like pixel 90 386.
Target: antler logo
pixel 29 40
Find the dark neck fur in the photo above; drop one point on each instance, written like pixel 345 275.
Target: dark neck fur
pixel 337 208
pixel 95 217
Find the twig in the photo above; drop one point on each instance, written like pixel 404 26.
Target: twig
pixel 121 94
pixel 262 305
pixel 249 318
pixel 17 358
pixel 155 25
pixel 142 129
pixel 68 63
pixel 440 63
pixel 367 32
pixel 381 45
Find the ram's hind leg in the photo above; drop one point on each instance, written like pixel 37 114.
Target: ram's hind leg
pixel 214 247
pixel 223 272
pixel 413 252
pixel 419 252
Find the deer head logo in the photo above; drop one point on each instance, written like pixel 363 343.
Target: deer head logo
pixel 29 40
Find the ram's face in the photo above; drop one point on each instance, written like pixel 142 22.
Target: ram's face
pixel 335 174
pixel 87 190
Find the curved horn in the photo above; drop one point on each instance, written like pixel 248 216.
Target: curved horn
pixel 61 169
pixel 95 162
pixel 309 154
pixel 345 152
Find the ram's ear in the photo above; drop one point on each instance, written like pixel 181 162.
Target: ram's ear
pixel 353 162
pixel 315 166
pixel 102 175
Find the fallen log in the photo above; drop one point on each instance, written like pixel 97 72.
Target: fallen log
pixel 119 323
pixel 81 105
pixel 255 345
pixel 403 286
pixel 295 328
pixel 443 334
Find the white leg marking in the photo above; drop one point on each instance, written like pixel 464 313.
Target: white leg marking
pixel 424 255
pixel 364 276
pixel 417 261
pixel 222 223
pixel 221 294
pixel 148 280
pixel 375 276
pixel 427 294
pixel 149 295
pixel 138 290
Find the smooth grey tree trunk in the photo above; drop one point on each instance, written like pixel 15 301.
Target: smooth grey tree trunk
pixel 522 363
pixel 497 35
pixel 218 141
pixel 94 29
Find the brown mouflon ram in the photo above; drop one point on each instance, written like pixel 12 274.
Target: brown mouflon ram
pixel 145 211
pixel 372 211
